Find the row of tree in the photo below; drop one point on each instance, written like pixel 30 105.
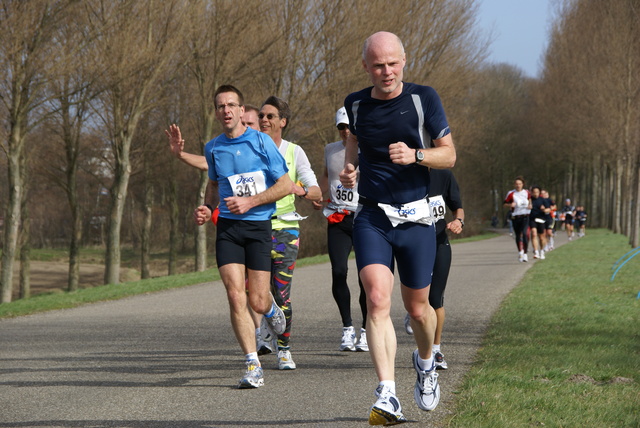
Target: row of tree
pixel 88 88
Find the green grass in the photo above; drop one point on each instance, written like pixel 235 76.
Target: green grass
pixel 564 348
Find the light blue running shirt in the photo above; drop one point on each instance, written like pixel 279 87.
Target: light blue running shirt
pixel 244 166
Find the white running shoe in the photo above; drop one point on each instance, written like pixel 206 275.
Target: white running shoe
pixel 361 344
pixel 285 362
pixel 407 324
pixel 542 255
pixel 387 409
pixel 525 258
pixel 348 339
pixel 277 322
pixel 536 254
pixel 427 389
pixel 253 376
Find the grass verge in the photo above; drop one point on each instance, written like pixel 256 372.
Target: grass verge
pixel 564 348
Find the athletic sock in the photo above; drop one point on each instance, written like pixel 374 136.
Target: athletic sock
pixel 272 312
pixel 425 363
pixel 251 356
pixel 391 384
pixel 435 348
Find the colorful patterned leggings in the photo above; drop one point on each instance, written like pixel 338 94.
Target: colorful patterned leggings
pixel 284 251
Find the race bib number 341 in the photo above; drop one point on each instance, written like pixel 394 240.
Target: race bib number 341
pixel 247 184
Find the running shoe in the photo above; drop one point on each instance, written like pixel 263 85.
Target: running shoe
pixel 521 257
pixel 536 255
pixel 264 340
pixel 407 324
pixel 427 389
pixel 361 344
pixel 542 257
pixel 525 258
pixel 253 376
pixel 441 364
pixel 285 362
pixel 277 322
pixel 387 409
pixel 263 346
pixel 348 339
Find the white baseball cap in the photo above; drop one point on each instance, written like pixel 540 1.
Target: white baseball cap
pixel 341 116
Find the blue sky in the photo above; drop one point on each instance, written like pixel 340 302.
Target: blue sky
pixel 520 29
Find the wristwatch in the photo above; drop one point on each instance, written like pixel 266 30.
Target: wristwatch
pixel 419 156
pixel 461 222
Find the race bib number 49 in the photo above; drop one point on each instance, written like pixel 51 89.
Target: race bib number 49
pixel 247 184
pixel 438 208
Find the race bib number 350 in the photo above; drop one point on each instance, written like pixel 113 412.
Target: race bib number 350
pixel 247 184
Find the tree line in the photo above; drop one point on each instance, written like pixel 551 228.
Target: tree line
pixel 88 87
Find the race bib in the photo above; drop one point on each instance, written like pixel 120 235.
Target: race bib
pixel 247 184
pixel 437 207
pixel 292 216
pixel 342 197
pixel 415 212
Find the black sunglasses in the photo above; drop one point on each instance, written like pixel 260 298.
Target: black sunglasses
pixel 268 116
pixel 342 126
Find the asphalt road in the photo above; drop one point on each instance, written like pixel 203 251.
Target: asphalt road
pixel 169 359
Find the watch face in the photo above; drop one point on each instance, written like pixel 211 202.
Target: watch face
pixel 419 156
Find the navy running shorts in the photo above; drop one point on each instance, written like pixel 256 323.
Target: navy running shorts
pixel 411 245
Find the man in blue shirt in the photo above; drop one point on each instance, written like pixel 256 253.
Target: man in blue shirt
pixel 248 175
pixel 394 123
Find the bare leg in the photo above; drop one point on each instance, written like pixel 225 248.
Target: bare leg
pixel 233 278
pixel 423 318
pixel 378 284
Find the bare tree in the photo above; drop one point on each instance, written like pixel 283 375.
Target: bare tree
pixel 590 94
pixel 26 30
pixel 136 46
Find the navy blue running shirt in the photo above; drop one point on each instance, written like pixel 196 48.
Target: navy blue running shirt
pixel 415 117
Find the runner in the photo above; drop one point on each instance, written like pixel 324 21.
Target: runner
pixel 569 212
pixel 391 123
pixel 443 193
pixel 342 204
pixel 581 220
pixel 248 175
pixel 550 220
pixel 273 118
pixel 537 222
pixel 519 201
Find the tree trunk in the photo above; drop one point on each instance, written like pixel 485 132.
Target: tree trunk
pixel 116 210
pixel 145 244
pixel 174 221
pixel 11 223
pixel 617 196
pixel 201 232
pixel 76 218
pixel 25 255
